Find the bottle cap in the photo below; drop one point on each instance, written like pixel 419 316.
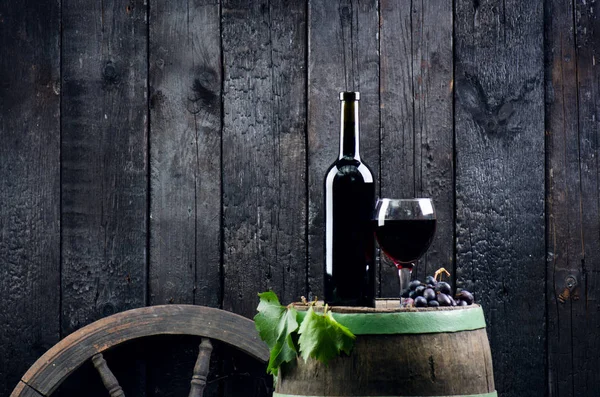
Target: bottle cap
pixel 349 96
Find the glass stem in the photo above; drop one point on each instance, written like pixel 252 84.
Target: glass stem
pixel 404 275
pixel 400 281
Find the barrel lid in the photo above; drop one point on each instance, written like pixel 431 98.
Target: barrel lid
pixel 396 320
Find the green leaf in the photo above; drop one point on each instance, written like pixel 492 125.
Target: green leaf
pixel 284 350
pixel 275 325
pixel 267 320
pixel 323 338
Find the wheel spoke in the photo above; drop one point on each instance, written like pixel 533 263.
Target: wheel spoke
pixel 108 378
pixel 201 369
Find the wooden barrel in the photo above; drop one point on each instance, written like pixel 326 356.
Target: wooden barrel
pixel 401 352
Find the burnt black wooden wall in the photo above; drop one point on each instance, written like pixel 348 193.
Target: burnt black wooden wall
pixel 172 151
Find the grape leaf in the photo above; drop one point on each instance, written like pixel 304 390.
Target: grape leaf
pixel 275 325
pixel 284 350
pixel 268 317
pixel 323 338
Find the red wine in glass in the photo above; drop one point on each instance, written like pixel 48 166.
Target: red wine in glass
pixel 404 241
pixel 404 229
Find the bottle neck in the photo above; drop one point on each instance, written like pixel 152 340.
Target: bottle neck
pixel 349 138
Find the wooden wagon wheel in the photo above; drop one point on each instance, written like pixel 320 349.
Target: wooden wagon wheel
pixel 50 370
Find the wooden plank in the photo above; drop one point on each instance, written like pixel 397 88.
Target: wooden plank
pixel 104 164
pixel 499 126
pixel 104 160
pixel 264 169
pixel 416 120
pixel 185 142
pixel 29 184
pixel 185 139
pixel 572 196
pixel 288 101
pixel 563 195
pixel 397 116
pixel 263 152
pixel 342 56
pixel 434 132
pixel 586 312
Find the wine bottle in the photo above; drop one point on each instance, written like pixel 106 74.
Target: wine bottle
pixel 349 204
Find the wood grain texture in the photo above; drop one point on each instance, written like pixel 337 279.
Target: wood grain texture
pixel 289 78
pixel 264 169
pixel 104 164
pixel 586 311
pixel 397 102
pixel 47 373
pixel 342 56
pixel 432 27
pixel 23 390
pixel 397 116
pixel 281 123
pixel 439 364
pixel 263 152
pixel 572 150
pixel 185 185
pixel 29 184
pixel 499 128
pixel 104 159
pixel 185 140
pixel 416 120
pixel 563 195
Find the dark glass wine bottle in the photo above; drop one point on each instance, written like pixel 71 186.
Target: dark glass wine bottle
pixel 349 203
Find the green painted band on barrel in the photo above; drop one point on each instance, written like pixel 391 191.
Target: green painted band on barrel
pixel 492 394
pixel 410 322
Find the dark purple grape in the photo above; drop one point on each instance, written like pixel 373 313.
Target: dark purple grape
pixel 412 294
pixel 444 288
pixel 466 296
pixel 430 280
pixel 420 290
pixel 452 301
pixel 414 284
pixel 433 303
pixel 420 302
pixel 444 300
pixel 461 302
pixel 405 293
pixel 429 294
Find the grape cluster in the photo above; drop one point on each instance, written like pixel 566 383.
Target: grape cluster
pixel 433 293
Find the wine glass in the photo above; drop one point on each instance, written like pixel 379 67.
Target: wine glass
pixel 404 229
